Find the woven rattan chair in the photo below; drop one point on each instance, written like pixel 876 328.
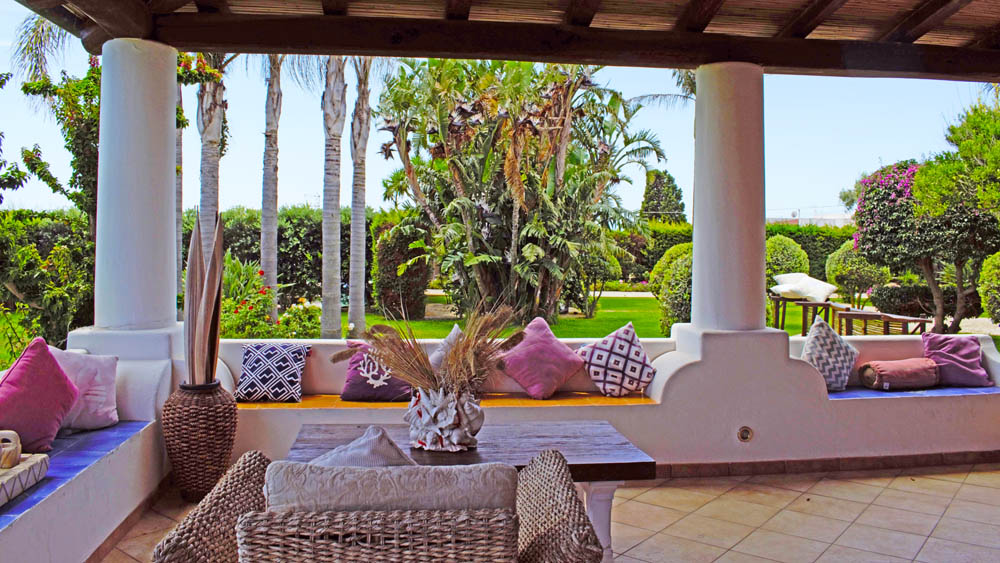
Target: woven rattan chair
pixel 550 525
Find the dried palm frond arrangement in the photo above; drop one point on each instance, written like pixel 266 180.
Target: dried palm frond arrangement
pixel 476 356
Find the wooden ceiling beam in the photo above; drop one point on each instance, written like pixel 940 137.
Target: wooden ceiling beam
pixel 926 17
pixel 697 15
pixel 119 18
pixel 581 12
pixel 810 18
pixel 334 7
pixel 457 9
pixel 55 14
pixel 566 44
pixel 213 6
pixel 43 4
pixel 167 6
pixel 990 39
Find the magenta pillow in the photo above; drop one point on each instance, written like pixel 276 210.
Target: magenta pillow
pixel 369 380
pixel 958 358
pixel 35 396
pixel 541 363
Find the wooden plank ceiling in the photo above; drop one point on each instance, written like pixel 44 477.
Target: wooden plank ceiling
pixel 951 39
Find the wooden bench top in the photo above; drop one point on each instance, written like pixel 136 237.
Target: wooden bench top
pixel 490 400
pixel 594 450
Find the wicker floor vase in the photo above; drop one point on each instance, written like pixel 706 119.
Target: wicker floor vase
pixel 199 428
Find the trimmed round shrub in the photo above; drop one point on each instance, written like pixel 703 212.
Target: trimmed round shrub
pixel 664 264
pixel 401 295
pixel 853 274
pixel 989 287
pixel 675 293
pixel 784 256
pixel 918 301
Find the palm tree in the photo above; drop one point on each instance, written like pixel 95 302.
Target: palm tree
pixel 269 189
pixel 211 121
pixel 334 105
pixel 360 126
pixel 38 41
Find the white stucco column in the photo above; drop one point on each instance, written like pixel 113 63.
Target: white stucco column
pixel 728 267
pixel 136 269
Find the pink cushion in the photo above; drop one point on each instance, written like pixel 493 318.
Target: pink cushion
pixel 35 396
pixel 94 377
pixel 958 358
pixel 541 363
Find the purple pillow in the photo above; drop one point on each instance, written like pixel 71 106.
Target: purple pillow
pixel 369 380
pixel 35 396
pixel 958 358
pixel 541 363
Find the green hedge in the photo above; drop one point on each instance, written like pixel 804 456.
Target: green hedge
pixel 401 296
pixel 989 286
pixel 818 242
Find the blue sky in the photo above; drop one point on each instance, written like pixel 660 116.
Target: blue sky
pixel 821 133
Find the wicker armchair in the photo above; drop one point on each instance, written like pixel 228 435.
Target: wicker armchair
pixel 550 525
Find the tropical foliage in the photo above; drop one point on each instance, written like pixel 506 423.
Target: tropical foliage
pixel 514 166
pixel 11 176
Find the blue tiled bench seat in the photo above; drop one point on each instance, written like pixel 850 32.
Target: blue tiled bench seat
pixel 865 393
pixel 69 457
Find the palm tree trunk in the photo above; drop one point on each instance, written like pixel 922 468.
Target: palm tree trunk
pixel 211 112
pixel 360 125
pixel 179 203
pixel 269 190
pixel 334 104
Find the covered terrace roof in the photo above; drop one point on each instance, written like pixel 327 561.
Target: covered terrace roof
pixel 952 39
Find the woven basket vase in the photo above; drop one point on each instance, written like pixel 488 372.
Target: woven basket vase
pixel 199 428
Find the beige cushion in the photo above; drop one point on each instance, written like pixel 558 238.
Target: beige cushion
pixel 290 485
pixel 373 449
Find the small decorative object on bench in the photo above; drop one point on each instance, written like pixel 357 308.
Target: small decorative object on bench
pixel 18 472
pixel 444 413
pixel 199 419
pixel 10 449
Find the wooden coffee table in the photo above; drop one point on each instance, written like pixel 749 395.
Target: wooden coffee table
pixel 599 457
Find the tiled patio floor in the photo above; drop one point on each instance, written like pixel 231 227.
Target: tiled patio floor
pixel 936 514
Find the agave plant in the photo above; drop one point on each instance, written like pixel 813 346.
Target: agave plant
pixel 202 308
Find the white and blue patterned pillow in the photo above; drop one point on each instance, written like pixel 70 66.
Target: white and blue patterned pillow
pixel 830 354
pixel 272 372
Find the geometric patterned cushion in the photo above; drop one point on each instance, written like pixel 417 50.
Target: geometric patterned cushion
pixel 272 372
pixel 830 354
pixel 618 365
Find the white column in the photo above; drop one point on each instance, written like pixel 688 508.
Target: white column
pixel 136 268
pixel 728 268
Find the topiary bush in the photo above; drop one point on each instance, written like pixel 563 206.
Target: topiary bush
pixel 784 256
pixel 675 294
pixel 401 294
pixel 853 274
pixel 664 264
pixel 818 241
pixel 917 301
pixel 989 287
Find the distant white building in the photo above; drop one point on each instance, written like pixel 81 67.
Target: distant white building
pixel 826 220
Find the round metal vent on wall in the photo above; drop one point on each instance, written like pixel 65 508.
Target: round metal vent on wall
pixel 744 434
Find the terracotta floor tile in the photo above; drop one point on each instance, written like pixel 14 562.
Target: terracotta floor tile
pixel 794 481
pixel 171 505
pixel 678 499
pixel 632 489
pixel 740 512
pixel 874 477
pixel 708 530
pixel 986 467
pixel 737 557
pixel 847 490
pixel 141 547
pixel 937 550
pixel 835 508
pixel 614 501
pixel 965 531
pixel 625 537
pixel 148 523
pixel 843 554
pixel 984 479
pixel 880 540
pixel 714 486
pixel 781 547
pixel 761 494
pixel 809 526
pixel 626 559
pixel 899 520
pixel 975 493
pixel 975 511
pixel 955 473
pixel 661 548
pixel 925 486
pixel 647 516
pixel 916 502
pixel 118 556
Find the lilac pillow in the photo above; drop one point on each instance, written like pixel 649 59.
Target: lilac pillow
pixel 958 358
pixel 541 363
pixel 369 380
pixel 35 396
pixel 94 377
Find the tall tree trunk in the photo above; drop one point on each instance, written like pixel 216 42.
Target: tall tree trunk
pixel 960 298
pixel 179 203
pixel 360 125
pixel 334 104
pixel 927 267
pixel 269 189
pixel 211 113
